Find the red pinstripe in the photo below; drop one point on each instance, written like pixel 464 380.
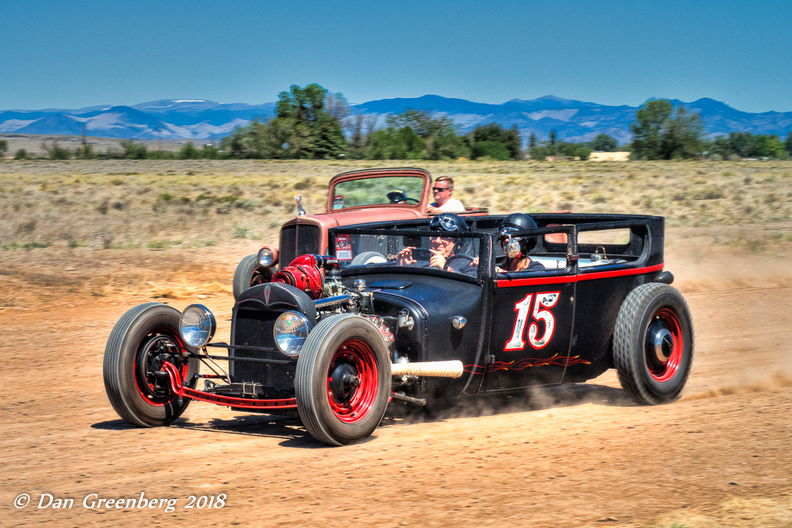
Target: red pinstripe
pixel 511 283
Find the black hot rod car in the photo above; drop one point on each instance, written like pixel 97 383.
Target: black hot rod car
pixel 335 340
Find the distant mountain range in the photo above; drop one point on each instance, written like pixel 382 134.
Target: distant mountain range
pixel 574 121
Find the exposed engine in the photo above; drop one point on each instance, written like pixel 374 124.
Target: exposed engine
pixel 303 273
pixel 330 294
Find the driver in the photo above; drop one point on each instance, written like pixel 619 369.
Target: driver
pixel 448 253
pixel 517 248
pixel 443 189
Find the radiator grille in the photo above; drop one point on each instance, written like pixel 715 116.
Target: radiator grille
pixel 254 328
pixel 308 239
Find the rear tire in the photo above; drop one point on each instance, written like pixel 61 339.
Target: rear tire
pixel 343 380
pixel 249 273
pixel 145 337
pixel 653 344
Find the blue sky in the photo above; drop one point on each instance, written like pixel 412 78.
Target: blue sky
pixel 61 54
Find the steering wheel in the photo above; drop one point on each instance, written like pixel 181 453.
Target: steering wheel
pixel 399 197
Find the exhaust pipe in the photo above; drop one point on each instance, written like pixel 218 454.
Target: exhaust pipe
pixel 429 369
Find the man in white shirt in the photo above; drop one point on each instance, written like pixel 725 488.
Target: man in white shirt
pixel 443 189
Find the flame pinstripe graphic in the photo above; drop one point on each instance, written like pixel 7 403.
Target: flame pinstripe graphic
pixel 562 361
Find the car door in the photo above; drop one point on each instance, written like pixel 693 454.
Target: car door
pixel 531 328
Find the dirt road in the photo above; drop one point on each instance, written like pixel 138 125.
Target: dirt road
pixel 574 456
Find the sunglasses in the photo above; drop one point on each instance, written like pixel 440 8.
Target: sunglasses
pixel 440 189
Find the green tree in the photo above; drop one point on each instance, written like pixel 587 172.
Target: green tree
pixel 134 150
pixel 3 148
pixel 412 134
pixel 788 143
pixel 741 143
pixel 682 137
pixel 252 141
pixel 747 145
pixel 604 143
pixel 720 146
pixel 21 154
pixel 328 139
pixel 56 152
pixel 317 134
pixel 494 133
pixel 85 152
pixel 771 147
pixel 421 122
pixel 188 151
pixel 493 149
pixel 560 148
pixel 537 153
pixel 161 155
pixel 514 143
pixel 446 144
pixel 393 143
pixel 304 104
pixel 658 134
pixel 532 141
pixel 648 129
pixel 209 152
pixel 552 137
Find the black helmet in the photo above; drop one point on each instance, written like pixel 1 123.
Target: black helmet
pixel 518 222
pixel 448 222
pixel 451 223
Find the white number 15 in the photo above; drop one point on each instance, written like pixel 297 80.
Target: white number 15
pixel 544 301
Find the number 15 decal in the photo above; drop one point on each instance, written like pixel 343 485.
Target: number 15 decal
pixel 544 301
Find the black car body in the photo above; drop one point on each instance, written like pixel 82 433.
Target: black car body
pixel 373 330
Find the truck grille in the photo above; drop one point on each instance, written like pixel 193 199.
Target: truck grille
pixel 254 328
pixel 298 240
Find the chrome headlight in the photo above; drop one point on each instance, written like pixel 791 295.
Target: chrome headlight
pixel 266 257
pixel 290 331
pixel 197 325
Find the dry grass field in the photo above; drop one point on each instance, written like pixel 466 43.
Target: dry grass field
pixel 83 241
pixel 130 203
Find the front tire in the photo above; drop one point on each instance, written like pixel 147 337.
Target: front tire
pixel 653 344
pixel 368 257
pixel 145 337
pixel 343 380
pixel 249 273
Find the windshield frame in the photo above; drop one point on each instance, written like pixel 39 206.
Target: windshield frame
pixel 423 199
pixel 484 252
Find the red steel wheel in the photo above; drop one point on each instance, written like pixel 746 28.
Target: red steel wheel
pixel 653 343
pixel 143 339
pixel 664 345
pixel 343 379
pixel 352 381
pixel 161 344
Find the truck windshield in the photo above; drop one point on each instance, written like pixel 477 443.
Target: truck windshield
pixel 401 190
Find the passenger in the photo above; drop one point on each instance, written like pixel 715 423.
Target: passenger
pixel 443 189
pixel 517 248
pixel 448 253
